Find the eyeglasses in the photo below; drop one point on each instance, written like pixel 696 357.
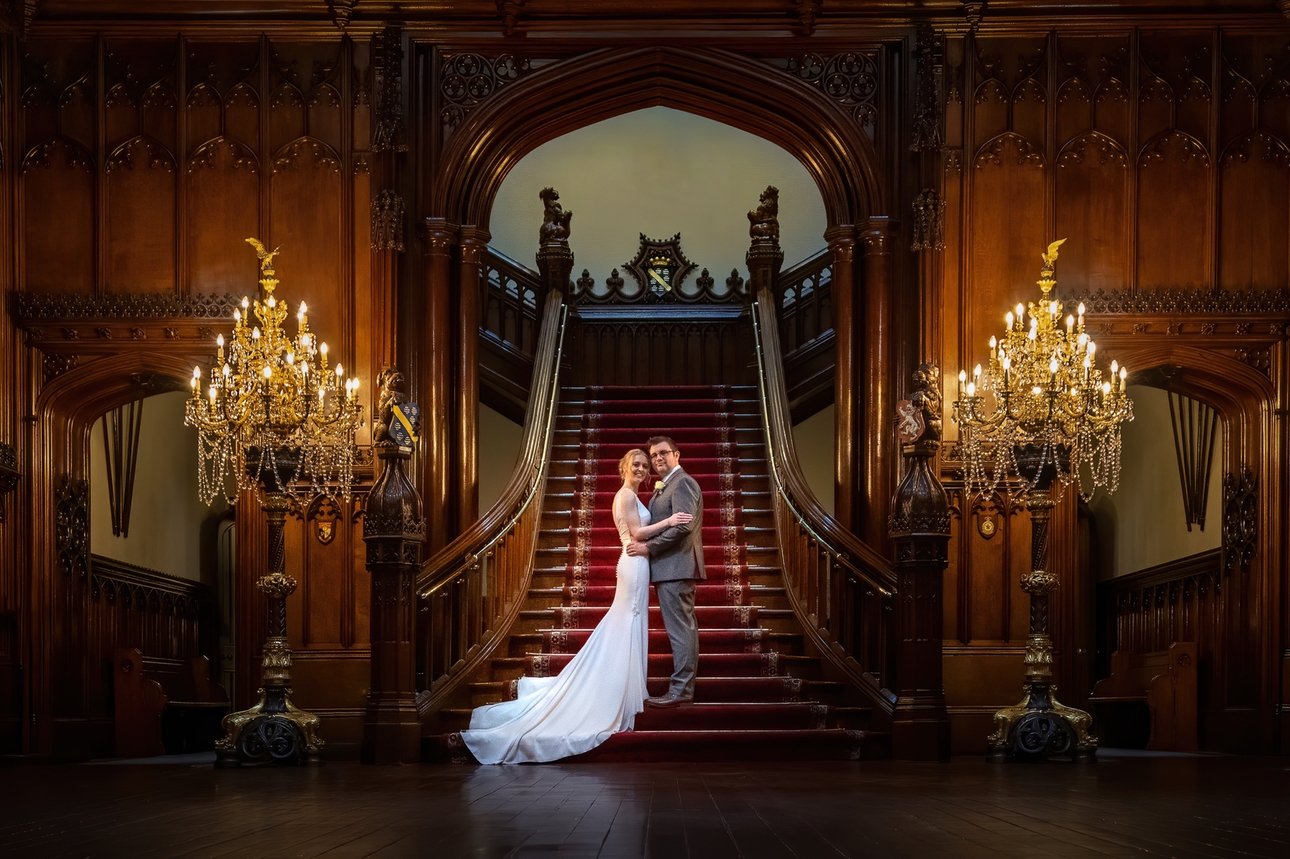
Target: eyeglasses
pixel 662 454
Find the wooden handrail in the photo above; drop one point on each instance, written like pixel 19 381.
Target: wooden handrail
pixel 472 588
pixel 840 588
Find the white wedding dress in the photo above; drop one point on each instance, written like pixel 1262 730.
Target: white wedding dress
pixel 598 693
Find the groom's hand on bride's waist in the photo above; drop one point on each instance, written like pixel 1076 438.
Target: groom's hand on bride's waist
pixel 637 549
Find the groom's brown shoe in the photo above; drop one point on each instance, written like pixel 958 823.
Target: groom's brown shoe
pixel 669 700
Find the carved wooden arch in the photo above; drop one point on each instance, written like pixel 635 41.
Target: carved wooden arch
pixel 1238 392
pixel 1250 628
pixel 720 85
pixel 83 394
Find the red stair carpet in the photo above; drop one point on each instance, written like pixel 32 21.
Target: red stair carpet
pixel 757 695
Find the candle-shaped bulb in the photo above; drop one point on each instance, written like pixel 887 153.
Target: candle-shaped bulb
pixel 340 371
pixel 1052 366
pixel 1092 347
pixel 322 347
pixel 1033 333
pixel 219 340
pixel 272 302
pixel 1007 364
pixel 1124 373
pixel 1052 309
pixel 246 302
pixel 994 344
pixel 1009 318
pixel 212 394
pixel 1115 367
pixel 255 333
pixel 1106 387
pixel 237 316
pixel 304 308
pixel 356 384
pixel 1070 325
pixel 268 372
pixel 291 357
pixel 194 384
pixel 962 376
pixel 1082 340
pixel 971 389
pixel 976 372
pixel 197 372
pixel 227 370
pixel 1021 312
pixel 1081 308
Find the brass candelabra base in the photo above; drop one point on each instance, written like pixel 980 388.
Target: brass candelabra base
pixel 1039 727
pixel 274 730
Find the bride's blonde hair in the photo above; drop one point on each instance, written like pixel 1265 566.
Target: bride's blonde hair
pixel 625 464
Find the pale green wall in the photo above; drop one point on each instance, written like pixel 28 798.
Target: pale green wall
pixel 658 171
pixel 165 515
pixel 1142 524
pixel 815 439
pixel 498 447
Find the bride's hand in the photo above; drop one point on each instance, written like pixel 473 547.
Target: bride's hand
pixel 680 519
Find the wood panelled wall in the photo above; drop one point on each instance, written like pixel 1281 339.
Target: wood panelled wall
pixel 142 164
pixel 1163 155
pixel 139 154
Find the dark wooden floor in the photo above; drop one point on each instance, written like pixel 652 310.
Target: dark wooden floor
pixel 1128 805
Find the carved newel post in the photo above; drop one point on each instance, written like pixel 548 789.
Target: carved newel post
pixel 274 730
pixel 554 257
pixel 919 527
pixel 393 529
pixel 765 258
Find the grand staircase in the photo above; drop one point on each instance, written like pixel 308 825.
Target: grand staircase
pixel 759 694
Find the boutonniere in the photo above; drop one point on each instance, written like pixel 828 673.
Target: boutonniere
pixel 658 485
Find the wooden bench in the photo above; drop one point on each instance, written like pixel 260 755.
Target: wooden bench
pixel 165 706
pixel 1165 681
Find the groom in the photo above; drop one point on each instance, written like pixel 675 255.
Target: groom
pixel 676 561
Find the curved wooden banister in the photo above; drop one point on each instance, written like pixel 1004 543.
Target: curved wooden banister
pixel 473 588
pixel 839 587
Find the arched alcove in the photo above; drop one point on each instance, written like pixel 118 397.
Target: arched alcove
pixel 658 171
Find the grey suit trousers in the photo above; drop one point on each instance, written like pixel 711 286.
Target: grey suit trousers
pixel 676 601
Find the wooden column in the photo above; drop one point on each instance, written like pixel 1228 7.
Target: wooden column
pixel 465 472
pixel 876 466
pixel 842 244
pixel 920 534
pixel 435 380
pixel 393 529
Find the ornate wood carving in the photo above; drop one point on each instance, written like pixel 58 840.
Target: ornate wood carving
pixel 929 221
pixel 387 221
pixel 850 79
pixel 467 80
pixel 9 475
pixel 925 131
pixel 72 527
pixel 387 68
pixel 1240 519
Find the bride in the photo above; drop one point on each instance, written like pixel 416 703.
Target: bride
pixel 602 688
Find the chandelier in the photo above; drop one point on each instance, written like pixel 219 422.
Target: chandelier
pixel 1042 397
pixel 271 410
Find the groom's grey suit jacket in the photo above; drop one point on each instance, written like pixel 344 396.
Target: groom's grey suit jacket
pixel 677 553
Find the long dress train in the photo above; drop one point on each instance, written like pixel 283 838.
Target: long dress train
pixel 598 693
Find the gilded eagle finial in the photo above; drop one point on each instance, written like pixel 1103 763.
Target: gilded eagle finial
pixel 1050 256
pixel 266 256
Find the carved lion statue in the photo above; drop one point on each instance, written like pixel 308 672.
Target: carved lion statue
pixel 555 220
pixel 927 398
pixel 391 394
pixel 763 222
